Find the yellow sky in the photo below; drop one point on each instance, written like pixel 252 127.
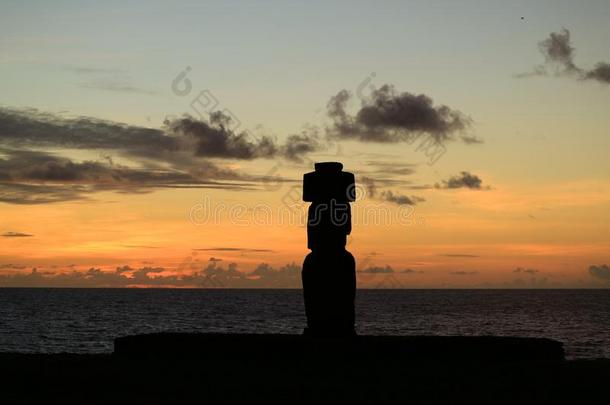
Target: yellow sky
pixel 456 238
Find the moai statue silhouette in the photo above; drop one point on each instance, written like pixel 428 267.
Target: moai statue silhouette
pixel 329 271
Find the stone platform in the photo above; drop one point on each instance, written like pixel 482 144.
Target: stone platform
pixel 361 348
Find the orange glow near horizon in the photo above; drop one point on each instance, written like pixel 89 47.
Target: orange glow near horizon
pixel 480 242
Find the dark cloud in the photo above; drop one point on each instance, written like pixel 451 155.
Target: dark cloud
pixel 34 177
pixel 15 235
pixel 370 184
pixel 557 50
pixel 179 138
pixel 389 116
pixel 601 73
pixel 400 199
pixel 420 187
pixel 298 145
pixel 559 57
pixel 33 128
pixel 214 138
pixel 288 276
pixel 464 273
pixel 33 166
pixel 525 271
pixel 601 271
pixel 335 108
pixel 463 180
pixel 175 156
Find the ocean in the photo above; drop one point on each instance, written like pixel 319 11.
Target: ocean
pixel 87 320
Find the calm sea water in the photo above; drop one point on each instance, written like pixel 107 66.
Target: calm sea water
pixel 87 320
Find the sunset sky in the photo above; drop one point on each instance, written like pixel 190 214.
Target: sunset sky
pixel 163 143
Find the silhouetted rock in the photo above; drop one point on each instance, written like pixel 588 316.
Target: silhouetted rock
pixel 234 368
pixel 329 271
pixel 329 287
pixel 481 349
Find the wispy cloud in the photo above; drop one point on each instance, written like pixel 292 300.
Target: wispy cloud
pixel 380 168
pixel 471 139
pixel 377 270
pixel 108 79
pixel 87 70
pixel 458 255
pixel 176 155
pixel 120 85
pixel 28 194
pixel 216 138
pixel 10 266
pixel 388 270
pixel 400 199
pixel 464 273
pixel 463 180
pixel 16 235
pixel 233 249
pixel 394 197
pixel 33 177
